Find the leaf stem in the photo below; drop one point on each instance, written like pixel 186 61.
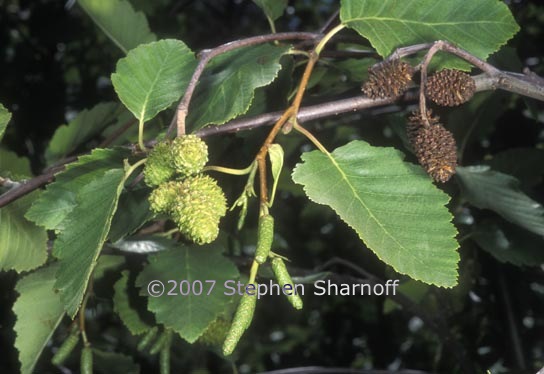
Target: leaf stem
pixel 311 137
pixel 230 171
pixel 130 169
pixel 141 135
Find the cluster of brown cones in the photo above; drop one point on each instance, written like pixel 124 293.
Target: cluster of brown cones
pixel 433 145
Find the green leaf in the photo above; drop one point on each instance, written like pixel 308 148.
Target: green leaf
pixel 509 243
pixel 120 22
pixel 39 311
pixel 525 164
pixel 272 8
pixel 13 166
pixel 87 124
pixel 412 290
pixel 133 211
pixel 5 116
pixel 275 152
pixel 122 307
pixel 228 90
pixel 87 226
pixel 153 76
pixel 391 204
pixel 488 189
pixel 107 263
pixel 23 245
pixel 188 315
pixel 113 363
pixel 480 27
pixel 59 199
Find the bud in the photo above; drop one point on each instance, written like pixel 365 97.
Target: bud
pixel 433 145
pixel 189 154
pixel 198 207
pixel 388 79
pixel 450 87
pixel 158 167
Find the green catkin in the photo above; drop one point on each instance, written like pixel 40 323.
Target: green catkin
pixel 66 347
pixel 147 338
pixel 265 237
pixel 164 358
pixel 86 360
pixel 161 341
pixel 283 278
pixel 241 321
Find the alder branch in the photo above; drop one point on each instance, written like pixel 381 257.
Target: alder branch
pixel 526 84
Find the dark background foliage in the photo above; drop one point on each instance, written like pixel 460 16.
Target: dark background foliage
pixel 54 62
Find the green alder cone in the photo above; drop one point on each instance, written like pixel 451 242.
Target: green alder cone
pixel 163 197
pixel 159 167
pixel 198 208
pixel 189 155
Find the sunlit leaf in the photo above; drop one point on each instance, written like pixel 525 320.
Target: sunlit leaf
pixel 87 226
pixel 152 76
pixel 480 27
pixel 393 206
pixel 23 245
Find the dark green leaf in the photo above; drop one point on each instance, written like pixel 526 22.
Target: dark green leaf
pixel 153 76
pixel 121 306
pixel 188 315
pixel 525 164
pixel 5 116
pixel 13 166
pixel 132 212
pixel 228 90
pixel 488 189
pixel 391 204
pixel 120 22
pixel 107 263
pixel 113 363
pixel 272 8
pixel 23 245
pixel 479 27
pixel 39 311
pixel 87 226
pixel 87 124
pixel 509 243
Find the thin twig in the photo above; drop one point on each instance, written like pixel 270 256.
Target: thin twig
pixel 206 55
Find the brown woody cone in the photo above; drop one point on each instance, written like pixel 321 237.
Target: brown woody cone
pixel 388 79
pixel 450 87
pixel 433 145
